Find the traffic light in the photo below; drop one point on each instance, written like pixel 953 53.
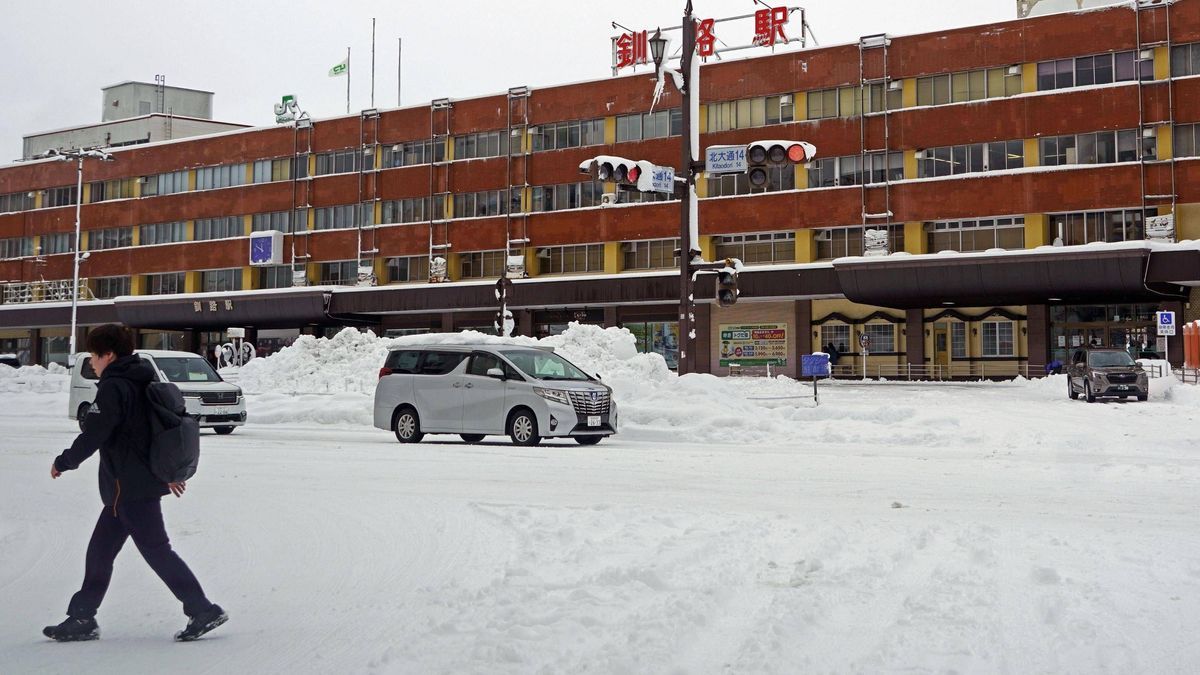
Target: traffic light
pixel 764 155
pixel 727 290
pixel 623 172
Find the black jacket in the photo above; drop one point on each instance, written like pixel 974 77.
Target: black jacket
pixel 119 425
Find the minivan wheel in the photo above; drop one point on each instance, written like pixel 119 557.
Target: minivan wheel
pixel 224 431
pixel 408 426
pixel 471 438
pixel 1087 392
pixel 1143 397
pixel 81 414
pixel 588 440
pixel 522 428
pixel 1071 390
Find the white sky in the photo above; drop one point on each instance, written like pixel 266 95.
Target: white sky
pixel 60 53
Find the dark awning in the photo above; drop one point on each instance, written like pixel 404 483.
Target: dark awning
pixel 1074 275
pixel 285 308
pixel 36 315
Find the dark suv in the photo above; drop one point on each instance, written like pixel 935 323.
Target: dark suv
pixel 1106 372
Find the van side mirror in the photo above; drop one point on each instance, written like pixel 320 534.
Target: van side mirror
pixel 497 373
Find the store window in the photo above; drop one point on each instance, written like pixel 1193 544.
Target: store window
pixel 958 340
pixel 657 337
pixel 883 337
pixel 997 338
pixel 836 334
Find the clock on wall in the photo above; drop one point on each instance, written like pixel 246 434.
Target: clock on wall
pixel 266 248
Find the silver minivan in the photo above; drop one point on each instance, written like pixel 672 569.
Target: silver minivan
pixel 474 391
pixel 218 404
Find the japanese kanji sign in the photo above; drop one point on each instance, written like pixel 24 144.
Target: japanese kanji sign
pixel 706 37
pixel 632 49
pixel 768 26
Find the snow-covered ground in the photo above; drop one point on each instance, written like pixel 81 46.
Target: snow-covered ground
pixel 728 529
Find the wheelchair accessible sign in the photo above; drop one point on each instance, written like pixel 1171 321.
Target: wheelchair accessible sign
pixel 1166 323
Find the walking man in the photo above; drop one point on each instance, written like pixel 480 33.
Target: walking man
pixel 119 425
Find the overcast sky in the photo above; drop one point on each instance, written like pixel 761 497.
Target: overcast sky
pixel 250 53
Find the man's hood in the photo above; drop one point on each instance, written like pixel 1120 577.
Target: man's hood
pixel 133 368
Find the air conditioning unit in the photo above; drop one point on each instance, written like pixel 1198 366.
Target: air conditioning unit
pixel 397 147
pixel 1014 70
pixel 1149 132
pixel 628 247
pixel 786 98
pixel 141 180
pixel 608 199
pixel 1146 55
pixel 823 235
pixel 895 85
pixel 920 154
pixel 543 253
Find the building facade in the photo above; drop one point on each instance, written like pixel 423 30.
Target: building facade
pixel 1015 168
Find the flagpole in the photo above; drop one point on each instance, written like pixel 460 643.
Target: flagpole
pixel 372 62
pixel 399 64
pixel 347 80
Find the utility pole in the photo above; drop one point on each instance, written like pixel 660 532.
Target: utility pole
pixel 688 230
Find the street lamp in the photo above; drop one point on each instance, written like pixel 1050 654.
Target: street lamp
pixel 78 156
pixel 658 46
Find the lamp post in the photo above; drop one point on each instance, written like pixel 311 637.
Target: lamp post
pixel 78 156
pixel 688 81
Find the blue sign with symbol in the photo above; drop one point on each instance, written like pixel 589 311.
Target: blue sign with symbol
pixel 814 365
pixel 1166 324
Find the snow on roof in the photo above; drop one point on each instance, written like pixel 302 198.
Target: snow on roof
pixel 94 125
pixel 1153 246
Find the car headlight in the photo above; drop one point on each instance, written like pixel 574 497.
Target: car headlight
pixel 556 395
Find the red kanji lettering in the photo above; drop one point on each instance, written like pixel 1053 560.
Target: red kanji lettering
pixel 633 49
pixel 768 26
pixel 706 38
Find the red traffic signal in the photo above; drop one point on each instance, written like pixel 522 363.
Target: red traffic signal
pixel 608 169
pixel 764 155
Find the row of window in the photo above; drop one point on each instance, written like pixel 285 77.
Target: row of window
pixel 968 85
pixel 848 101
pixel 1083 71
pixel 16 247
pixel 973 158
pixel 876 167
pixel 751 112
pixel 976 235
pixel 1101 147
pixel 997 338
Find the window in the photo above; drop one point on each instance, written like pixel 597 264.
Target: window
pixel 651 254
pixel 277 276
pixel 213 281
pixel 566 196
pixel 838 334
pixel 571 259
pixel 960 159
pixel 840 242
pixel 440 363
pixel 1185 60
pixel 162 233
pixel 766 247
pixel 972 85
pixel 559 135
pixel 976 235
pixel 1091 70
pixel 276 220
pixel 16 201
pixel 883 337
pixel 1102 147
pixel 415 210
pixel 271 170
pixel 224 227
pixel 60 196
pixel 213 177
pixel 998 338
pixel 843 171
pixel 482 144
pixel 635 197
pixel 102 191
pixel 168 283
pixel 822 104
pixel 404 362
pixel 778 178
pixel 958 340
pixel 407 268
pixel 482 264
pixel 165 183
pixel 1086 227
pixel 482 204
pixel 413 153
pixel 60 242
pixel 645 126
pixel 16 247
pixel 343 161
pixel 111 287
pixel 342 217
pixel 750 112
pixel 1187 138
pixel 113 237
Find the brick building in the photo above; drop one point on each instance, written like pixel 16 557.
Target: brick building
pixel 1019 145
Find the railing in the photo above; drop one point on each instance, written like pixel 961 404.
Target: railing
pixel 44 291
pixel 953 371
pixel 1188 375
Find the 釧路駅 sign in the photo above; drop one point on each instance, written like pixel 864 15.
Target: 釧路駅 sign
pixel 631 48
pixel 757 344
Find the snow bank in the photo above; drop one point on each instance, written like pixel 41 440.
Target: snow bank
pixel 34 379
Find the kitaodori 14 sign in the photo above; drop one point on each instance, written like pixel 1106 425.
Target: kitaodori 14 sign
pixel 758 344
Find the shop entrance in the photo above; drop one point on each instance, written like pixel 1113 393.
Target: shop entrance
pixel 1129 327
pixel 941 344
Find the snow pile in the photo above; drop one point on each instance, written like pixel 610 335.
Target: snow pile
pixel 37 379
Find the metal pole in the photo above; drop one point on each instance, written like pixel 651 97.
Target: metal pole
pixel 686 244
pixel 399 66
pixel 372 62
pixel 75 274
pixel 347 80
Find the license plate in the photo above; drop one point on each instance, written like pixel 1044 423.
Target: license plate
pixel 1123 387
pixel 593 420
pixel 217 411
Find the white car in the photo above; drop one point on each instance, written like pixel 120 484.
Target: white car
pixel 218 404
pixel 485 390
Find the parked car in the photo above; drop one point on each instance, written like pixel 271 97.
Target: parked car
pixel 489 390
pixel 1099 372
pixel 218 404
pixel 10 360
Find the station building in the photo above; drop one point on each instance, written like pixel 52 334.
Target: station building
pixel 1030 176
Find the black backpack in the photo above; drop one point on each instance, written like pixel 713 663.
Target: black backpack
pixel 174 435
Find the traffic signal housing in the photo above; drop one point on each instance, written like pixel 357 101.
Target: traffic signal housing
pixel 761 156
pixel 727 284
pixel 633 174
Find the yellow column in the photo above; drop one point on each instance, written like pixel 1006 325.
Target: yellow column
pixel 610 130
pixel 247 224
pixel 310 219
pixel 1032 157
pixel 914 238
pixel 137 187
pixel 1037 230
pixel 248 278
pixel 312 165
pixel 910 164
pixel 708 246
pixel 1187 221
pixel 806 246
pixel 449 148
pixel 908 96
pixel 191 282
pixel 1028 77
pixel 378 213
pixel 87 193
pixel 381 270
pixel 1166 141
pixel 453 266
pixel 137 235
pixel 531 261
pixel 448 206
pixel 312 272
pixel 191 176
pixel 801 176
pixel 84 241
pixel 1162 62
pixel 703 119
pixel 249 173
pixel 38 197
pixel 800 106
pixel 613 260
pixel 189 230
pixel 137 285
pixel 702 186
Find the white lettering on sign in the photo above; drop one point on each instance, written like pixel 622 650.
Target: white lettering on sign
pixel 725 159
pixel 1166 323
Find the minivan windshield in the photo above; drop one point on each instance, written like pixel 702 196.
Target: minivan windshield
pixel 1109 359
pixel 186 369
pixel 544 365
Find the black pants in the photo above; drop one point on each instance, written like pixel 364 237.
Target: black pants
pixel 143 521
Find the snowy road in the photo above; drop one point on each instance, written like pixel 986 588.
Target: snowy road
pixel 997 528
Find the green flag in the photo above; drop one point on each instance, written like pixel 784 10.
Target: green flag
pixel 340 69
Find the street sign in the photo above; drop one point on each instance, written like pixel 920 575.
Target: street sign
pixel 1166 323
pixel 725 159
pixel 814 365
pixel 662 179
pixel 864 340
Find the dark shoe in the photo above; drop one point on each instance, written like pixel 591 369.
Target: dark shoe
pixel 202 623
pixel 73 630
